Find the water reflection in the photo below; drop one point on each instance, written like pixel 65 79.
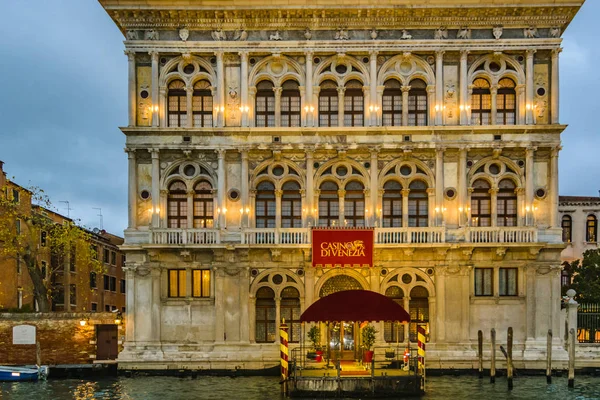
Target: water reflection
pixel 267 388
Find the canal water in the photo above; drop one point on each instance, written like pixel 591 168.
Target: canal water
pixel 266 388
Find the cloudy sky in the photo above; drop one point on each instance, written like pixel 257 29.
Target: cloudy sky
pixel 63 86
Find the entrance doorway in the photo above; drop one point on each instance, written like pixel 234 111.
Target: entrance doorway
pixel 342 341
pixel 107 347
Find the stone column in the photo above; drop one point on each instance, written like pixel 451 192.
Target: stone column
pixel 373 88
pixel 366 109
pixel 494 96
pixel 220 89
pixel 431 206
pixel 439 87
pixel 316 91
pixel 132 97
pixel 341 91
pixel 277 317
pixel 244 292
pixel 494 206
pixel 405 193
pixel 244 179
pixel 309 89
pixel 131 189
pixel 129 270
pixel 278 194
pixel 431 114
pixel 462 186
pixel 374 189
pixel 553 190
pixel 277 91
pixel 162 106
pixel 440 320
pixel 154 56
pixel 219 274
pixel 464 85
pixel 555 87
pixel 520 89
pixel 251 105
pixel 309 286
pixel 529 87
pixel 190 207
pixel 252 318
pixel 310 221
pixel 529 153
pixel 439 185
pixel 162 205
pixel 155 187
pixel 342 206
pixel 244 86
pixel 190 115
pixel 221 176
pixel 156 306
pixel 405 90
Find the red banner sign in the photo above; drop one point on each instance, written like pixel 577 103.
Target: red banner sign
pixel 342 247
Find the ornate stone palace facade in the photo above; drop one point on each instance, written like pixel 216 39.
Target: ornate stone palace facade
pixel 434 123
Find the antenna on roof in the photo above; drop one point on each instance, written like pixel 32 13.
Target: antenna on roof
pixel 100 215
pixel 68 207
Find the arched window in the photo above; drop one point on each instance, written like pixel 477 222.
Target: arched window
pixel 329 205
pixel 328 104
pixel 177 108
pixel 202 104
pixel 418 307
pixel 354 204
pixel 177 205
pixel 392 103
pixel 291 205
pixel 354 104
pixel 393 332
pixel 566 225
pixel 203 205
pixel 591 229
pixel 265 104
pixel 290 104
pixel 506 102
pixel 265 315
pixel 418 207
pixel 417 103
pixel 507 203
pixel 481 103
pixel 392 204
pixel 265 205
pixel 290 310
pixel 481 204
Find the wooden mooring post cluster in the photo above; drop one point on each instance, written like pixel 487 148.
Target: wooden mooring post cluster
pixel 509 356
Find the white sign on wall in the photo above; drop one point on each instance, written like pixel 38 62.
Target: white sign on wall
pixel 24 334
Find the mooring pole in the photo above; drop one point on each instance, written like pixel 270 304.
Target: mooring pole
pixel 480 352
pixel 38 353
pixel 493 359
pixel 571 357
pixel 509 367
pixel 283 347
pixel 549 358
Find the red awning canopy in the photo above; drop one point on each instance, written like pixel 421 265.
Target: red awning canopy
pixel 355 305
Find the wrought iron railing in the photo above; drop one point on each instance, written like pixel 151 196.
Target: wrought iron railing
pixel 588 323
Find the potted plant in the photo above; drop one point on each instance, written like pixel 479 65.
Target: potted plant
pixel 314 335
pixel 368 340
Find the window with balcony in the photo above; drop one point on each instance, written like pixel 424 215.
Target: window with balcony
pixel 566 225
pixel 481 204
pixel 291 205
pixel 329 204
pixel 176 282
pixel 484 281
pixel 265 205
pixel 290 310
pixel 506 102
pixel 177 205
pixel 203 205
pixel 591 229
pixel 507 203
pixel 200 283
pixel 507 281
pixel 265 104
pixel 417 103
pixel 418 204
pixel 290 104
pixel 391 110
pixel 202 104
pixel 354 204
pixel 354 104
pixel 177 104
pixel 392 204
pixel 328 104
pixel 481 103
pixel 265 315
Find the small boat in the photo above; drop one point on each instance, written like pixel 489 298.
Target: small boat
pixel 22 373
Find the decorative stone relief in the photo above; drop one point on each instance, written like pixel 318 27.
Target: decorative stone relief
pixel 555 32
pixel 463 33
pixel 530 32
pixel 240 35
pixel 144 182
pixel 218 35
pixel 275 36
pixel 451 99
pixel 132 35
pixel 151 35
pixel 373 34
pixel 342 34
pixel 441 33
pixel 184 34
pixel 497 32
pixel 307 34
pixel 540 79
pixel 144 98
pixel 405 35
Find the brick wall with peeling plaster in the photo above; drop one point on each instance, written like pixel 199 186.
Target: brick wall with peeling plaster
pixel 62 338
